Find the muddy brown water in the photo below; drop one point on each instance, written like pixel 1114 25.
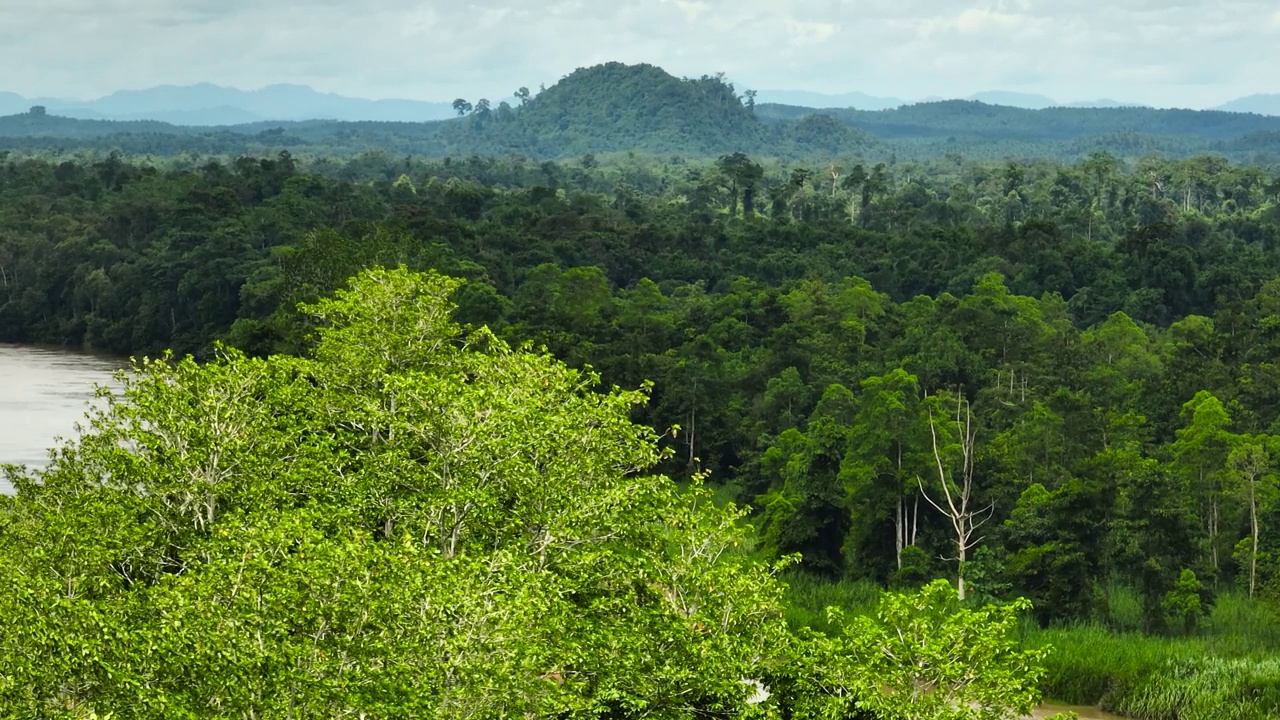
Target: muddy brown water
pixel 43 394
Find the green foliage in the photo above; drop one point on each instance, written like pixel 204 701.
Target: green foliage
pixel 922 656
pixel 917 569
pixel 409 521
pixel 1162 679
pixel 808 597
pixel 1112 323
pixel 1183 606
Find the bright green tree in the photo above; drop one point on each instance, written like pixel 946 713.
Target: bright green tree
pixel 1200 457
pixel 924 657
pixel 411 521
pixel 889 449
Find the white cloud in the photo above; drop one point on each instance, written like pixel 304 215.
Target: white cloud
pixel 975 20
pixel 1188 52
pixel 809 33
pixel 692 10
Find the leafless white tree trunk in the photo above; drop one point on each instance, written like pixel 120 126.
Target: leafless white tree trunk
pixel 906 520
pixel 958 493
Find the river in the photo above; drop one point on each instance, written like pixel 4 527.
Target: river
pixel 43 394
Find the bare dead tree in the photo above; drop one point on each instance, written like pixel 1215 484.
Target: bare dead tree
pixel 958 493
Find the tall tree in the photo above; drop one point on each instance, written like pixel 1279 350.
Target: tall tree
pixel 889 448
pixel 957 483
pixel 1250 460
pixel 1200 455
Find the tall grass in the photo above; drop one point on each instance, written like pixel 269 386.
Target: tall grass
pixel 808 598
pixel 1230 671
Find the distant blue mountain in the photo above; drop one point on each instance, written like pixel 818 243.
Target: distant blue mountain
pixel 207 104
pixel 1032 101
pixel 1261 104
pixel 863 101
pixel 1103 103
pixel 800 98
pixel 1014 99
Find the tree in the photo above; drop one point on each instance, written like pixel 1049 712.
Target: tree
pixel 1250 460
pixel 1200 454
pixel 1184 604
pixel 462 107
pixel 958 492
pixel 523 96
pixel 412 521
pixel 921 656
pixel 743 176
pixel 888 449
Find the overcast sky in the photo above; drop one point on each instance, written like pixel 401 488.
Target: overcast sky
pixel 1189 53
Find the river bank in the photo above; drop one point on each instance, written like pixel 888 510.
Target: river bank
pixel 44 392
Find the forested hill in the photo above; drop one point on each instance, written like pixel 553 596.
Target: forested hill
pixel 970 117
pixel 641 108
pixel 615 106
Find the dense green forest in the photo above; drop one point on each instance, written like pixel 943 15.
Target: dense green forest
pixel 615 108
pixel 1042 380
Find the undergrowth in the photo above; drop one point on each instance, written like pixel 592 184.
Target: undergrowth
pixel 1230 670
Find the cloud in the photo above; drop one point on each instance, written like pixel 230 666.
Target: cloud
pixel 1188 52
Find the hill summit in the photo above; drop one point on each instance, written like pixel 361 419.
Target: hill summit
pixel 614 105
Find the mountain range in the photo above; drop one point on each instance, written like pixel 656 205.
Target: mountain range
pixel 863 101
pixel 618 108
pixel 207 104
pixel 1261 104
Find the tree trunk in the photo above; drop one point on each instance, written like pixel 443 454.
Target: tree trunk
pixel 900 521
pixel 1253 523
pixel 693 423
pixel 959 492
pixel 899 530
pixel 1213 533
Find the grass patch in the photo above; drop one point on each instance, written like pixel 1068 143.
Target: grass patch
pixel 808 598
pixel 1230 671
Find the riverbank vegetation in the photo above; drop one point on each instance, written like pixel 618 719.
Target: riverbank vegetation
pixel 414 519
pixel 1037 380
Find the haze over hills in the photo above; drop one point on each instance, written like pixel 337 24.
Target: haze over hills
pixel 863 101
pixel 1263 104
pixel 801 98
pixel 615 107
pixel 207 105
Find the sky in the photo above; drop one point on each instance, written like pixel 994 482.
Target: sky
pixel 1184 53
